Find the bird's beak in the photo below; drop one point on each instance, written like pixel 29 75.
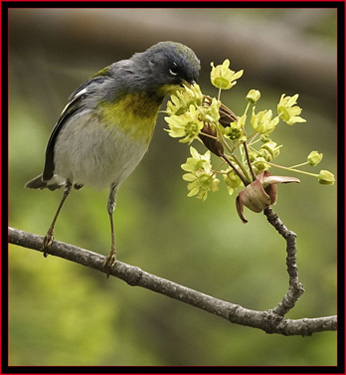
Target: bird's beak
pixel 188 84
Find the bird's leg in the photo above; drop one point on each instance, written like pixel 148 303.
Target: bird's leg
pixel 48 239
pixel 111 258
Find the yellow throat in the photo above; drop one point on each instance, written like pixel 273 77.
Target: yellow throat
pixel 135 114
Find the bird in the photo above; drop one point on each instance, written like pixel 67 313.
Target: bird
pixel 106 127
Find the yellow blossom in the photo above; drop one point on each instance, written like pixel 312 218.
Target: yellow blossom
pixel 262 122
pixel 186 125
pixel 180 102
pixel 288 111
pixel 224 78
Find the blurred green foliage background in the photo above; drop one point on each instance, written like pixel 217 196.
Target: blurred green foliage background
pixel 64 314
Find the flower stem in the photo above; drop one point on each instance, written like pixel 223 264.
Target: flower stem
pixel 252 141
pixel 299 165
pixel 217 170
pixel 245 144
pixel 240 175
pixel 219 94
pixel 248 161
pixel 292 169
pixel 246 109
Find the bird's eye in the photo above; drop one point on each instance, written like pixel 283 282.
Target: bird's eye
pixel 173 70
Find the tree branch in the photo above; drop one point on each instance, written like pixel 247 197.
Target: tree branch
pixel 295 288
pixel 269 321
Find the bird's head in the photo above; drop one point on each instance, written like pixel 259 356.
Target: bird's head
pixel 166 66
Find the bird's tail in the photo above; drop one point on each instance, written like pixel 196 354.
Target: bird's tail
pixel 39 183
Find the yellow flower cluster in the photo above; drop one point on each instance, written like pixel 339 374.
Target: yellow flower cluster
pixel 200 175
pixel 192 115
pixel 187 113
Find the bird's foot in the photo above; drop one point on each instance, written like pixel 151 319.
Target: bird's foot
pixel 110 261
pixel 47 241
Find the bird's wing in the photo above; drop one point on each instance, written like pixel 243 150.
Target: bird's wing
pixel 74 105
pixel 71 108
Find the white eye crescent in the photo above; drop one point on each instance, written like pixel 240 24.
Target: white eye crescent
pixel 174 69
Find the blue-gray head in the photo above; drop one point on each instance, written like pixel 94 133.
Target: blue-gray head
pixel 158 71
pixel 167 63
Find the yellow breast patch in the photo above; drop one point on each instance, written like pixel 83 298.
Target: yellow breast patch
pixel 135 114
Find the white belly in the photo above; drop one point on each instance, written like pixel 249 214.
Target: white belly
pixel 93 156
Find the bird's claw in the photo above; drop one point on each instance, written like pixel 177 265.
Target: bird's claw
pixel 47 242
pixel 109 262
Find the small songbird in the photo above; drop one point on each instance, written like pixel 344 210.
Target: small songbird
pixel 106 127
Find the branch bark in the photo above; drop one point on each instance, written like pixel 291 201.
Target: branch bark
pixel 270 321
pixel 295 288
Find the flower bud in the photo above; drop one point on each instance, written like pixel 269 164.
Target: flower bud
pixel 253 96
pixel 314 158
pixel 270 150
pixel 326 178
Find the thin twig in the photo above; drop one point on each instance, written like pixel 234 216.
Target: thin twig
pixel 295 288
pixel 268 321
pixel 249 161
pixel 240 175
